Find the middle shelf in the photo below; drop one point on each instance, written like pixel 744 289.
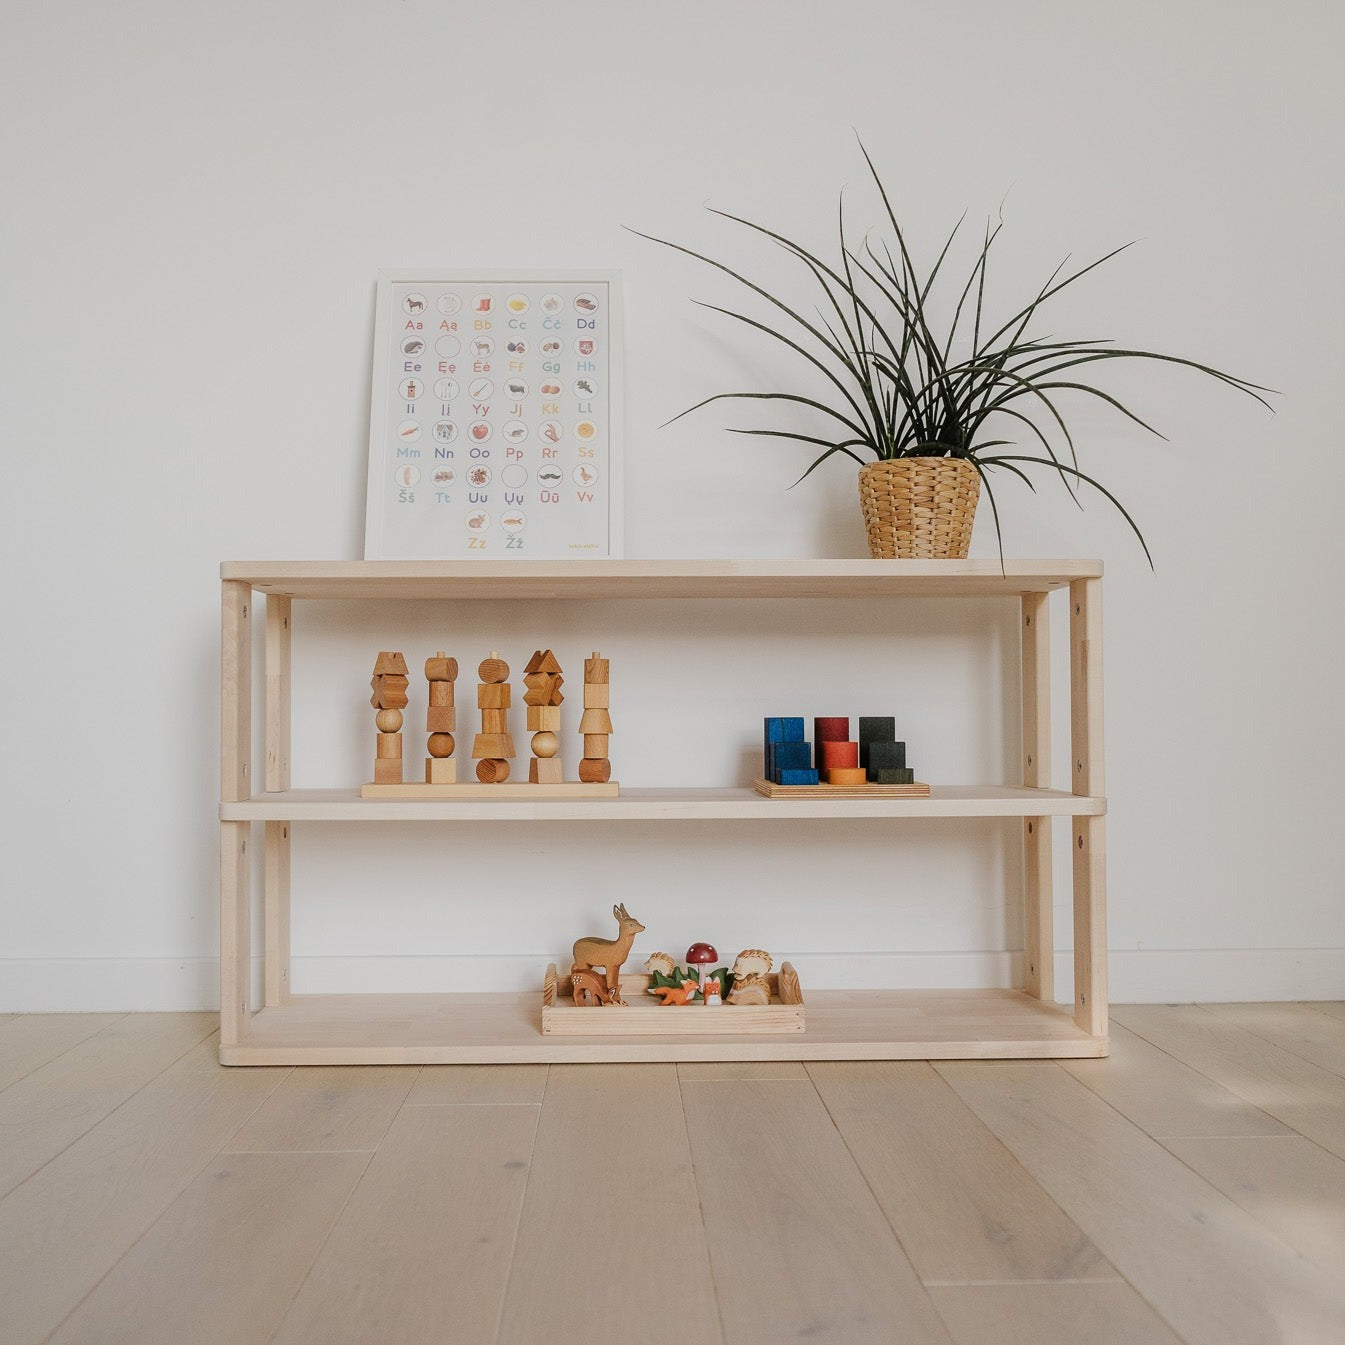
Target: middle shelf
pixel 653 805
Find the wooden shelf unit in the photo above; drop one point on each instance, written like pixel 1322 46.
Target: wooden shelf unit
pixel 483 1028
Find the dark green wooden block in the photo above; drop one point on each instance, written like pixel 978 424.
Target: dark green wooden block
pixel 884 756
pixel 891 775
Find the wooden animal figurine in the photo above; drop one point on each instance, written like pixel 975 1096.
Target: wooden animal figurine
pixel 543 679
pixel 494 745
pixel 609 954
pixel 588 988
pixel 661 963
pixel 389 698
pixel 596 725
pixel 441 720
pixel 750 985
pixel 676 994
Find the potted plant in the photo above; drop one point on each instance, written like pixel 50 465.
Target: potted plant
pixel 932 423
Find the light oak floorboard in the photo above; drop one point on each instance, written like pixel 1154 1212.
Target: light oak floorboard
pixel 1164 1097
pixel 53 1106
pixel 1214 1273
pixel 709 1071
pixel 610 1241
pixel 1290 1184
pixel 1296 1028
pixel 799 1248
pixel 326 1108
pixel 68 1224
pixel 421 1253
pixel 1334 1007
pixel 488 1084
pixel 959 1201
pixel 1096 1313
pixel 1304 1096
pixel 35 1038
pixel 223 1262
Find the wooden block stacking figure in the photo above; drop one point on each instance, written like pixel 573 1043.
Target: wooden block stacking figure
pixel 595 768
pixel 882 757
pixel 543 680
pixel 493 746
pixel 441 720
pixel 389 699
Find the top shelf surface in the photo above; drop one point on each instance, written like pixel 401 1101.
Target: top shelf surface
pixel 616 579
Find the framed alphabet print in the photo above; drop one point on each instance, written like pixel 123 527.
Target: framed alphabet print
pixel 495 429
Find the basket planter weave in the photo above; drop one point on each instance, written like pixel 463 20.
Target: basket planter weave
pixel 919 508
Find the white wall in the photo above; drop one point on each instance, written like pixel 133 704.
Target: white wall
pixel 197 198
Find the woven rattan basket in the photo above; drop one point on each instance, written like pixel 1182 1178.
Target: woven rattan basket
pixel 919 508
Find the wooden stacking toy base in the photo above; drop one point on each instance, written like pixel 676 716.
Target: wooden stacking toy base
pixel 642 1015
pixel 569 789
pixel 770 790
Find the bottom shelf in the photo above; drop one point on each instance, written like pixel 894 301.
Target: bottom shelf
pixel 506 1028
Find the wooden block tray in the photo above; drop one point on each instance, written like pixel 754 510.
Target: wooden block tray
pixel 770 790
pixel 570 789
pixel 643 1015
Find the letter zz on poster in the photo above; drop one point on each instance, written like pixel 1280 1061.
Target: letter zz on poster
pixel 495 423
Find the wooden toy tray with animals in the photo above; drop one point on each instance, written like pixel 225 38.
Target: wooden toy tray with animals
pixel 769 789
pixel 643 1015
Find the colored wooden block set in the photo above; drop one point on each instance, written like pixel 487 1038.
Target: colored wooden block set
pixel 493 745
pixel 834 764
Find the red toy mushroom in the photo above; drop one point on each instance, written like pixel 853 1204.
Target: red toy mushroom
pixel 702 956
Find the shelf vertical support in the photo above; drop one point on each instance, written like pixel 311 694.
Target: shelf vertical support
pixel 276 869
pixel 235 786
pixel 1038 932
pixel 1088 845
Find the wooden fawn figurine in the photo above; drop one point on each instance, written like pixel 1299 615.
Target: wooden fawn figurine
pixel 608 954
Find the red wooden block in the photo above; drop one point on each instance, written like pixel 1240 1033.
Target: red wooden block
pixel 837 756
pixel 831 730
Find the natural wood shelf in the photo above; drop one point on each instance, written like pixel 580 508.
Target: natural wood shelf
pixel 657 805
pixel 507 1027
pixel 614 579
pixel 841 1024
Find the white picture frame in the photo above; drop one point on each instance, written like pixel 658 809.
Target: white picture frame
pixel 530 469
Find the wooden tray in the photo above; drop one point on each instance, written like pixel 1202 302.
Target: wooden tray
pixel 770 790
pixel 510 789
pixel 643 1015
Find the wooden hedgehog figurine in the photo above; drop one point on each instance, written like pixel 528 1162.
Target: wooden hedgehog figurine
pixel 750 985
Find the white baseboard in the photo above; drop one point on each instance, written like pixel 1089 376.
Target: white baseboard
pixel 1144 976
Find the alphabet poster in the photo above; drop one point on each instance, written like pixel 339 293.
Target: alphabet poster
pixel 495 430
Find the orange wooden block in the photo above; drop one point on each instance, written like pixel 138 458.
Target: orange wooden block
pixel 595 721
pixel 490 746
pixel 837 755
pixel 441 718
pixel 390 746
pixel 494 721
pixel 441 669
pixel 596 669
pixel 846 775
pixel 440 745
pixel 595 770
pixel 597 696
pixel 546 771
pixel 543 689
pixel 388 771
pixel 441 771
pixel 543 717
pixel 492 771
pixel 389 693
pixel 493 696
pixel 441 693
pixel 493 669
pixel 595 744
pixel 391 662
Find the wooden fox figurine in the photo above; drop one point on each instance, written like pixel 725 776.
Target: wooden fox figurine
pixel 677 994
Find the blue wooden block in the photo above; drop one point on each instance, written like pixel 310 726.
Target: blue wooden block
pixel 779 730
pixel 790 757
pixel 883 756
pixel 800 777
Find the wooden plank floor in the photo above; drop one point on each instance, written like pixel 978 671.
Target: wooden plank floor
pixel 1188 1190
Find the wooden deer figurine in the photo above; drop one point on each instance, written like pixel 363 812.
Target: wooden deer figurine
pixel 609 954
